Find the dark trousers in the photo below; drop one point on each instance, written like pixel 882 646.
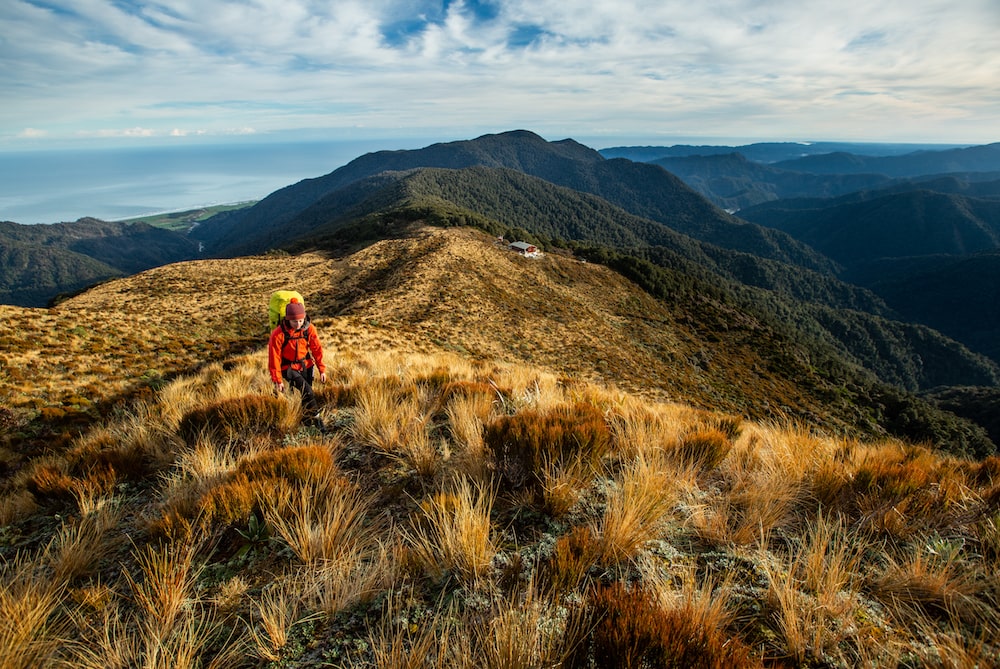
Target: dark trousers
pixel 302 380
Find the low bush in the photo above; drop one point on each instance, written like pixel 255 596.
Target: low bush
pixel 632 630
pixel 241 417
pixel 705 448
pixel 525 443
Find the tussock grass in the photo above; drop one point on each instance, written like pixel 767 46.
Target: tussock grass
pixel 532 631
pixel 631 628
pixel 813 596
pixel 323 520
pixel 486 514
pixel 241 417
pixel 433 644
pixel 272 618
pixel 30 622
pixel 79 546
pixel 355 575
pixel 453 532
pixel 525 443
pixel 164 586
pixel 467 415
pixel 634 511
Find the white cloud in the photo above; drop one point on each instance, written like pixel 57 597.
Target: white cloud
pixel 897 69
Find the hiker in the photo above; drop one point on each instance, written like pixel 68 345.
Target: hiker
pixel 293 355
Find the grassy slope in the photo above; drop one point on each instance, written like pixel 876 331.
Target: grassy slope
pixel 452 518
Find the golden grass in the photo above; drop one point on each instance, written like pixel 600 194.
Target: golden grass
pixel 634 511
pixel 323 520
pixel 531 631
pixel 79 546
pixel 432 644
pixel 273 617
pixel 466 415
pixel 453 532
pixel 354 576
pixel 837 552
pixel 164 586
pixel 30 627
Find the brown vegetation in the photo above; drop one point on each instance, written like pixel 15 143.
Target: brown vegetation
pixel 475 511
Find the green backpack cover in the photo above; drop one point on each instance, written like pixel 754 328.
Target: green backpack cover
pixel 279 300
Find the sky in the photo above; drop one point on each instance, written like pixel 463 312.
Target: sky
pixel 602 72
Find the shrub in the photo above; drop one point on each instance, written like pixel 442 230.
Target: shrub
pixel 705 448
pixel 573 556
pixel 265 476
pixel 631 629
pixel 51 482
pixel 241 417
pixel 525 443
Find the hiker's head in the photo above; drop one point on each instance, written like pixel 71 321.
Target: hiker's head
pixel 295 314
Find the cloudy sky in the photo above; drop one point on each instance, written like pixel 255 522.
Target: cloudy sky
pixel 656 70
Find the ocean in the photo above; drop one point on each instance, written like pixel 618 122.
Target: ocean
pixel 52 186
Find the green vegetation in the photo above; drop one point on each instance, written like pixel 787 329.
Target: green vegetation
pixel 38 262
pixel 183 221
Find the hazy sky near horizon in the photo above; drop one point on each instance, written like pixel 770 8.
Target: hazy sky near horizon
pixel 662 71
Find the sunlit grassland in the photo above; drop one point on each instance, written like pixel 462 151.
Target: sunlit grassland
pixel 464 513
pixel 182 221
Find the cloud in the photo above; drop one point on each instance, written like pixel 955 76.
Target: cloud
pixel 806 69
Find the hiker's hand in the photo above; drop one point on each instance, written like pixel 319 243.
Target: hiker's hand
pixel 279 387
pixel 322 377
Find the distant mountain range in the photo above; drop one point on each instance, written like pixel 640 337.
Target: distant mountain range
pixel 817 284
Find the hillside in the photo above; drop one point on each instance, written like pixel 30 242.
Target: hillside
pixel 955 295
pixel 37 262
pixel 528 462
pixel 822 316
pixel 893 225
pixel 452 289
pixel 437 288
pixel 646 191
pixel 733 182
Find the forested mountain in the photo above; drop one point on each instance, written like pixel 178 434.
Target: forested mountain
pixel 984 158
pixel 39 261
pixel 957 295
pixel 892 225
pixel 644 190
pixel 733 182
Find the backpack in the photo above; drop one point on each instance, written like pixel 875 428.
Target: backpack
pixel 279 300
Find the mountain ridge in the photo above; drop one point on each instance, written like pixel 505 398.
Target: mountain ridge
pixel 644 190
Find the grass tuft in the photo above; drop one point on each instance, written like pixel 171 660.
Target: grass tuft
pixel 525 443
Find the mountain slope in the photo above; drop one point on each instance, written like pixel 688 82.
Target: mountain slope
pixel 430 289
pixel 40 261
pixel 644 190
pixel 895 225
pixel 511 203
pixel 33 274
pixel 733 182
pixel 957 296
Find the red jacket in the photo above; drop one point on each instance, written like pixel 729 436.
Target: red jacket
pixel 289 348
